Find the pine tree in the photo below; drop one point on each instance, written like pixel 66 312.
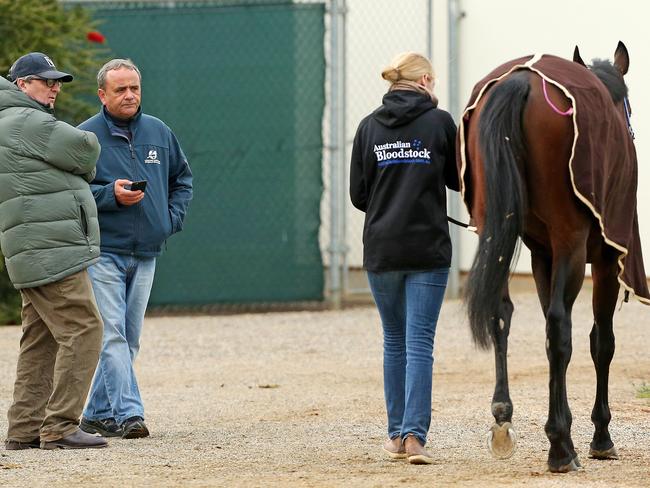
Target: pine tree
pixel 61 32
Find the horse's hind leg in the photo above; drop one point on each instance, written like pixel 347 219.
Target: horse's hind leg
pixel 501 438
pixel 566 281
pixel 542 270
pixel 602 350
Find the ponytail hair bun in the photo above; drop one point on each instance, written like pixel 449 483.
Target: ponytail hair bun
pixel 391 74
pixel 408 66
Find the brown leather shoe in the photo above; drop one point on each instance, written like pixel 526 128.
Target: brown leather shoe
pixel 18 445
pixel 77 440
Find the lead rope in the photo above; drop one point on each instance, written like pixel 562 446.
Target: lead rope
pixel 470 228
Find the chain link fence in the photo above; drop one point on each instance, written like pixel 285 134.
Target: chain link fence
pixel 375 31
pixel 241 83
pixel 265 97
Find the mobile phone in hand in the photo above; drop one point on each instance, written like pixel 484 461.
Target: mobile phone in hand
pixel 137 185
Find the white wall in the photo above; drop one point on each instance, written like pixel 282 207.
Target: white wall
pixel 495 31
pixel 490 33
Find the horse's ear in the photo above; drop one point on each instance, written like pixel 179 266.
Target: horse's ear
pixel 577 58
pixel 621 58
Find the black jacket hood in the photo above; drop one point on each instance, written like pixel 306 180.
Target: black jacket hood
pixel 403 156
pixel 400 107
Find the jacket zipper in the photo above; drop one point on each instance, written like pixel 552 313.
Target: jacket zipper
pixel 135 177
pixel 139 210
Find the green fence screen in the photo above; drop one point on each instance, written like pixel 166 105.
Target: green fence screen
pixel 242 86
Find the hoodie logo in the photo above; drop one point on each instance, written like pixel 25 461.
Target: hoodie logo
pixel 152 158
pixel 402 153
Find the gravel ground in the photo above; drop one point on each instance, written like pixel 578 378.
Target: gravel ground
pixel 295 399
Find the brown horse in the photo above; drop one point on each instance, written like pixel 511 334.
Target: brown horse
pixel 542 145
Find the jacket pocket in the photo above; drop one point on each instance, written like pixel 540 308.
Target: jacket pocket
pixel 83 220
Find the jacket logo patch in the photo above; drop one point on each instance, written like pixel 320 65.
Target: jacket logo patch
pixel 402 153
pixel 152 157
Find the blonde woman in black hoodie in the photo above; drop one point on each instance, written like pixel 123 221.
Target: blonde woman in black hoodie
pixel 402 159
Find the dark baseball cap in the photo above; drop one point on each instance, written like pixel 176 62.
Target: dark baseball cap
pixel 37 64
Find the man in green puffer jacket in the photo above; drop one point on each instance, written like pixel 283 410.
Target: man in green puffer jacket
pixel 49 235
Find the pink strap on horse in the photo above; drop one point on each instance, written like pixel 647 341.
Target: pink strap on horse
pixel 568 111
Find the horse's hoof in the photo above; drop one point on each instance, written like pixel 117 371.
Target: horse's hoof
pixel 574 465
pixel 577 462
pixel 502 440
pixel 610 453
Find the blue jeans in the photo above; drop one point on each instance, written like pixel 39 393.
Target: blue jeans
pixel 122 285
pixel 409 304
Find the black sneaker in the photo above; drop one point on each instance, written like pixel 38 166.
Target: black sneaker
pixel 104 427
pixel 134 428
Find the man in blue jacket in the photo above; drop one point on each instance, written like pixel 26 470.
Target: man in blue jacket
pixel 134 223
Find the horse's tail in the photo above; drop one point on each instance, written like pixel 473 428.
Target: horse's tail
pixel 503 148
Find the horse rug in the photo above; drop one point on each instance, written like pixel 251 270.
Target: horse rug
pixel 603 163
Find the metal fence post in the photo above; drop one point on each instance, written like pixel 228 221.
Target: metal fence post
pixel 453 204
pixel 337 247
pixel 430 30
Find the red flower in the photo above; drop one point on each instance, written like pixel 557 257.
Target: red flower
pixel 95 36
